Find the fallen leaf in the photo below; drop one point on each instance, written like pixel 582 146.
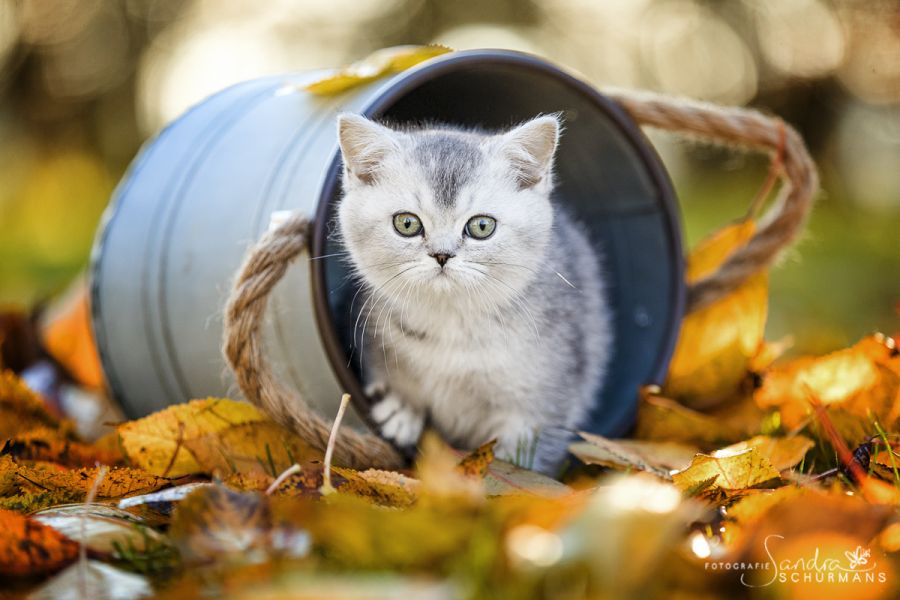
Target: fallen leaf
pixel 504 478
pixel 378 64
pixel 476 463
pixel 261 447
pixel 217 525
pixel 118 482
pixel 67 337
pixel 28 547
pixel 717 343
pixel 727 470
pixel 386 488
pixel 854 385
pixel 106 529
pixel 781 452
pixel 44 444
pixel 178 440
pixel 658 458
pixel 663 419
pixel 20 408
pixel 94 580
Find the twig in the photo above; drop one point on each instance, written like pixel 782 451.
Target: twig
pixel 82 548
pixel 294 468
pixel 327 488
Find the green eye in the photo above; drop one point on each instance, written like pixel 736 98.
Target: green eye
pixel 407 224
pixel 481 227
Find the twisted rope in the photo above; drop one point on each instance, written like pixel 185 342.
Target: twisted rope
pixel 755 131
pixel 269 259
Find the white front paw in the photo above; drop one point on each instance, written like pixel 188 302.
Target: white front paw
pixel 398 422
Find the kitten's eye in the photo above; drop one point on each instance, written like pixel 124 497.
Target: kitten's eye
pixel 407 224
pixel 481 227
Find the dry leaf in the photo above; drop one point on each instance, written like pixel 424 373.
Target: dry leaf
pixel 662 419
pixel 28 547
pixel 94 580
pixel 378 64
pixel 216 524
pixel 117 483
pixel 105 528
pixel 476 463
pixel 21 410
pixel 385 488
pixel 855 385
pixel 658 458
pixel 208 435
pixel 68 338
pixel 782 453
pixel 44 444
pixel 717 343
pixel 726 470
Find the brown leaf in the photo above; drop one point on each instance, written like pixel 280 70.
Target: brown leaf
pixel 20 408
pixel 476 463
pixel 45 444
pixel 216 524
pixel 28 547
pixel 386 488
pixel 117 483
pixel 658 458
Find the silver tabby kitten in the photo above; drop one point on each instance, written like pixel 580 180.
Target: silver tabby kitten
pixel 483 308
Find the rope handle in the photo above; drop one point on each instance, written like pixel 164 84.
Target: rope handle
pixel 753 130
pixel 268 260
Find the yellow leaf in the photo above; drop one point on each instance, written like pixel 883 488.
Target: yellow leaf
pixel 783 453
pixel 378 64
pixel 386 488
pixel 726 470
pixel 261 447
pixel 718 342
pixel 214 436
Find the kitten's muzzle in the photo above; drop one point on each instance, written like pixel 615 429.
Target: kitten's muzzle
pixel 441 258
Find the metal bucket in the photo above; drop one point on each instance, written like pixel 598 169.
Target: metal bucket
pixel 203 191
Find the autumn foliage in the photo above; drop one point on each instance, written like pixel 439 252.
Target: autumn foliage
pixel 739 458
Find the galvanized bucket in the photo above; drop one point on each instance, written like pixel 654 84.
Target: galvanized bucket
pixel 204 190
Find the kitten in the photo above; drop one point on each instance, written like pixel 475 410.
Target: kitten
pixel 483 306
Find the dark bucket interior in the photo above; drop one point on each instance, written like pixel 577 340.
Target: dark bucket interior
pixel 608 176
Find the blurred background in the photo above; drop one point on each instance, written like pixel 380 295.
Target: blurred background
pixel 83 84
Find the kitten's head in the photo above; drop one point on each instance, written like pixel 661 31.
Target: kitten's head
pixel 445 212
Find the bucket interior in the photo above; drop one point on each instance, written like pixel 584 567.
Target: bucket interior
pixel 608 176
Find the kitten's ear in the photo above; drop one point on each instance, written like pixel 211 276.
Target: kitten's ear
pixel 364 145
pixel 530 148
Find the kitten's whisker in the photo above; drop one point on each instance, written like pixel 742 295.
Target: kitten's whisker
pixel 329 255
pixel 569 283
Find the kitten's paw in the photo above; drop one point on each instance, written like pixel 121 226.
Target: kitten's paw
pixel 376 390
pixel 398 422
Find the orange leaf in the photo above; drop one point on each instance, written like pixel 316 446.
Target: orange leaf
pixel 30 548
pixel 68 337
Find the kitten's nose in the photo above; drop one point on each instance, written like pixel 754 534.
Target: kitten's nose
pixel 442 258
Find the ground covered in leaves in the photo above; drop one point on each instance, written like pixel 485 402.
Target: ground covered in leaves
pixel 747 475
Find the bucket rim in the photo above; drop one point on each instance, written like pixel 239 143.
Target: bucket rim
pixel 394 89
